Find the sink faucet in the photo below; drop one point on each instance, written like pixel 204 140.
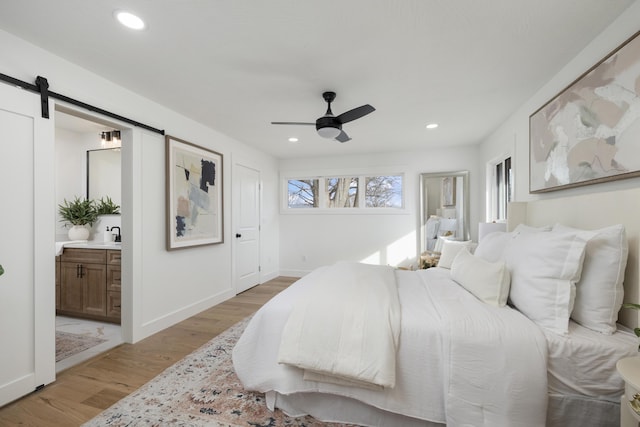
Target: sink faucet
pixel 118 237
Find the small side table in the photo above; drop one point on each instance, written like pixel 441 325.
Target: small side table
pixel 629 370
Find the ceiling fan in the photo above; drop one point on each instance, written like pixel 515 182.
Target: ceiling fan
pixel 330 126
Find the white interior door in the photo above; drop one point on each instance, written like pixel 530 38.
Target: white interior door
pixel 246 196
pixel 27 224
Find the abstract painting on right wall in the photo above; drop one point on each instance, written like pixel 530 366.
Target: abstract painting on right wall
pixel 590 132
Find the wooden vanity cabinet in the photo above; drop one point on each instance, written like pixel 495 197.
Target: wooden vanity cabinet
pixel 87 284
pixel 57 282
pixel 113 285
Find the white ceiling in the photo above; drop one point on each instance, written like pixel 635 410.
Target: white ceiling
pixel 79 125
pixel 237 65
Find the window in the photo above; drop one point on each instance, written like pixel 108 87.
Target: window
pixel 384 192
pixel 346 192
pixel 303 193
pixel 341 192
pixel 501 189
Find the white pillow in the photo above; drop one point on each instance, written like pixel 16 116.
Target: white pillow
pixel 488 281
pixel 544 269
pixel 599 292
pixel 440 243
pixel 450 249
pixel 523 228
pixel 492 246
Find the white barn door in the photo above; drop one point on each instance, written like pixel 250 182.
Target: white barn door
pixel 27 233
pixel 246 215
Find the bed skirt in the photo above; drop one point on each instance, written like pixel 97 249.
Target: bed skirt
pixel 339 409
pixel 563 411
pixel 578 411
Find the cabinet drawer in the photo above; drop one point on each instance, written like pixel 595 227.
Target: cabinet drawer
pixel 113 304
pixel 113 257
pixel 85 256
pixel 113 278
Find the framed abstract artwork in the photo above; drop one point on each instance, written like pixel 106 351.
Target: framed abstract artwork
pixel 194 195
pixel 589 132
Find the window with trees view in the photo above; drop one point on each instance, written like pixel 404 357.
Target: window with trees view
pixel 365 191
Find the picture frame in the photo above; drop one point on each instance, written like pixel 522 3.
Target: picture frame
pixel 448 191
pixel 194 197
pixel 588 132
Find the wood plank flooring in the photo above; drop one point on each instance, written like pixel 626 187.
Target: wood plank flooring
pixel 83 391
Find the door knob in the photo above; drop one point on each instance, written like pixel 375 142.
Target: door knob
pixel 238 235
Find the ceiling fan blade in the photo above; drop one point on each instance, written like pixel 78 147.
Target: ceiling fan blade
pixel 292 123
pixel 356 113
pixel 343 137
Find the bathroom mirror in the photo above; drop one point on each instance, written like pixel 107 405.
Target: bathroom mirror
pixel 103 174
pixel 444 208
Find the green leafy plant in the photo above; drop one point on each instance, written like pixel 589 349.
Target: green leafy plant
pixel 106 207
pixel 78 212
pixel 1 270
pixel 634 307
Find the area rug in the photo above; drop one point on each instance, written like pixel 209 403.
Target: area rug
pixel 68 344
pixel 200 390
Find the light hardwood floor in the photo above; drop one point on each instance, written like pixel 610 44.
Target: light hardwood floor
pixel 85 390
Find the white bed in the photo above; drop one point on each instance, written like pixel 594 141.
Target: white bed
pixel 461 361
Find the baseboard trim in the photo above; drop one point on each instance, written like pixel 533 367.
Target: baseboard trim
pixel 156 325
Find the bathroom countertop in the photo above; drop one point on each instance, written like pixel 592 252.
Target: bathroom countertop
pixel 116 246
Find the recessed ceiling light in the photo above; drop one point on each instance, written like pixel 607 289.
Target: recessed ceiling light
pixel 432 125
pixel 293 139
pixel 129 20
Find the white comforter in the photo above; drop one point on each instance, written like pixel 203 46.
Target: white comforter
pixel 349 340
pixel 459 361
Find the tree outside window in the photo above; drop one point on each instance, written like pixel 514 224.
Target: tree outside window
pixel 384 192
pixel 303 193
pixel 341 192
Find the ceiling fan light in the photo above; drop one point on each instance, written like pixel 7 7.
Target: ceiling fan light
pixel 328 132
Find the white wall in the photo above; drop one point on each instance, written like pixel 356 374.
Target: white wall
pixel 513 135
pixel 160 288
pixel 69 166
pixel 308 241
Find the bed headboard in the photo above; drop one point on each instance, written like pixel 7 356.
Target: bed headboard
pixel 590 212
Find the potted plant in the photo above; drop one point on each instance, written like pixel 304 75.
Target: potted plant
pixel 79 213
pixel 105 206
pixel 1 270
pixel 634 307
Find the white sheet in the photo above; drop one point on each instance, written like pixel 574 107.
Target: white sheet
pixel 459 360
pixel 583 362
pixel 355 341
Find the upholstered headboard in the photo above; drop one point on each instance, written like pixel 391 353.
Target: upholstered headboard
pixel 593 211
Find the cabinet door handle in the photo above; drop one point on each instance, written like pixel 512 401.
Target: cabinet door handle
pixel 78 271
pixel 81 271
pixel 116 306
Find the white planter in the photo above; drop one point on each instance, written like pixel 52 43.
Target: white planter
pixel 78 232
